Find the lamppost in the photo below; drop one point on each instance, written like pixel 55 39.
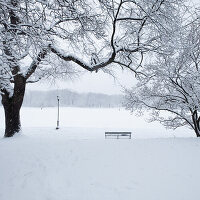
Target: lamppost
pixel 58 114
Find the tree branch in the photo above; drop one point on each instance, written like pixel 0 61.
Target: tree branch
pixel 82 63
pixel 129 18
pixel 35 63
pixel 166 109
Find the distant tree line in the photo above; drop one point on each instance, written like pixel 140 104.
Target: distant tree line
pixel 71 99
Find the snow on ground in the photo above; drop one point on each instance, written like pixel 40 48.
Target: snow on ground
pixel 77 163
pixel 90 123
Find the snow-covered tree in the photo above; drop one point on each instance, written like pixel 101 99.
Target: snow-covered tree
pixel 172 82
pixel 40 37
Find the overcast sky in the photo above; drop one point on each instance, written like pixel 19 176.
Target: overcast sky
pixel 91 82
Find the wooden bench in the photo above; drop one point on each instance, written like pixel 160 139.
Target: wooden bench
pixel 118 135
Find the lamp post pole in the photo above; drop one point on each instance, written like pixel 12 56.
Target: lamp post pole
pixel 58 114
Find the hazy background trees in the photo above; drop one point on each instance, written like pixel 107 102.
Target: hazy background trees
pixel 71 99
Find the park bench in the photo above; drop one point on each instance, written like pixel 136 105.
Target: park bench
pixel 118 135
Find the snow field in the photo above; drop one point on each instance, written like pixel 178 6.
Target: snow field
pixel 76 162
pixel 90 123
pixel 60 169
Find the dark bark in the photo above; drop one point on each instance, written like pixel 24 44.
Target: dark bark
pixel 196 121
pixel 12 106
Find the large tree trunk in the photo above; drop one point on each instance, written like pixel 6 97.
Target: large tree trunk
pixel 12 105
pixel 196 121
pixel 12 119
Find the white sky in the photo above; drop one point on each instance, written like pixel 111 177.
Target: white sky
pixel 91 82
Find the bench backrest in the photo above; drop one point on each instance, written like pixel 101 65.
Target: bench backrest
pixel 118 134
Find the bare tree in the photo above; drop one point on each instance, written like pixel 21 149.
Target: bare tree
pixel 104 33
pixel 172 83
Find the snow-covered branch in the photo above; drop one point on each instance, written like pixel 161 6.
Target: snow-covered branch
pixel 35 63
pixel 80 62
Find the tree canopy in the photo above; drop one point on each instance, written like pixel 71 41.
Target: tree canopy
pixel 47 38
pixel 172 82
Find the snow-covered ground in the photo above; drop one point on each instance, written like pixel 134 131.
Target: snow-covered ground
pixel 82 123
pixel 76 162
